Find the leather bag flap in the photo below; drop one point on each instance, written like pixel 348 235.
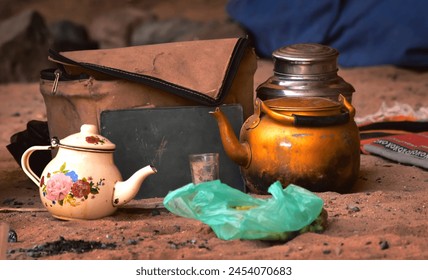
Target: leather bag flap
pixel 201 70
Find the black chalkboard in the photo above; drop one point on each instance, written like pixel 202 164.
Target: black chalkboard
pixel 164 137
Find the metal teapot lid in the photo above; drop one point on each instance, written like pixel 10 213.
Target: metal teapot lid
pixel 87 139
pixel 306 59
pixel 303 70
pixel 316 105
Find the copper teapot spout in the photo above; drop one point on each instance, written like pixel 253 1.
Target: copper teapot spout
pixel 239 152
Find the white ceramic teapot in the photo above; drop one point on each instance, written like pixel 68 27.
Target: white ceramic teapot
pixel 82 181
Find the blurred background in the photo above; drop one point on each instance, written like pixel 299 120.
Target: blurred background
pixel 28 28
pixel 366 33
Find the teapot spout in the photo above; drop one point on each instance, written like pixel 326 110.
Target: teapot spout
pixel 239 152
pixel 125 191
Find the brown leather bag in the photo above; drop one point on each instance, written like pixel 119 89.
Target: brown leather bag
pixel 191 73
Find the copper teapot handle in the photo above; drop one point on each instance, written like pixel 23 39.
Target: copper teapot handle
pixel 303 120
pixel 274 115
pixel 347 105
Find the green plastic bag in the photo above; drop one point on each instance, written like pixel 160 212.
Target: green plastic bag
pixel 233 214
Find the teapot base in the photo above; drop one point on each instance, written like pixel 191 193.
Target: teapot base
pixel 260 185
pixel 76 218
pixel 69 217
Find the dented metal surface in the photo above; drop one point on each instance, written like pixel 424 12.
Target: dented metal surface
pixel 320 156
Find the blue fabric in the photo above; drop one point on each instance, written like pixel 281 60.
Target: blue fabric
pixel 366 33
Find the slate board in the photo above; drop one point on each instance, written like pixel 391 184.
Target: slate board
pixel 164 137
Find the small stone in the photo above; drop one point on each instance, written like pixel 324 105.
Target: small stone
pixel 326 252
pixel 155 212
pixel 172 245
pixel 384 245
pixel 353 208
pixel 132 242
pixel 13 237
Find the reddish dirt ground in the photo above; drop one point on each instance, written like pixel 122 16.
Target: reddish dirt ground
pixel 384 217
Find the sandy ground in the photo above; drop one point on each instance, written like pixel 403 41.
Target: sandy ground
pixel 383 217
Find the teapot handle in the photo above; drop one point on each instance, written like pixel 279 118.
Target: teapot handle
pixel 292 120
pixel 25 162
pixel 274 115
pixel 347 105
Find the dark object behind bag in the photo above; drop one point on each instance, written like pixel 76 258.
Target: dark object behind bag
pixel 36 134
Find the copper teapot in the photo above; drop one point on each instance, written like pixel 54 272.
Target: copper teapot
pixel 312 142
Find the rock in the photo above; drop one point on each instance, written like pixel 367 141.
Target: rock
pixel 24 43
pixel 114 29
pixel 69 36
pixel 163 31
pixel 12 237
pixel 383 244
pixel 220 29
pixel 181 29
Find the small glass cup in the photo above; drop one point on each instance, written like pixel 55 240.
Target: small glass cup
pixel 204 167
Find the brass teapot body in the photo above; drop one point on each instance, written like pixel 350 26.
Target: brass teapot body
pixel 312 142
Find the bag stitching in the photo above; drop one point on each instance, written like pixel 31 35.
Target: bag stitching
pixel 149 78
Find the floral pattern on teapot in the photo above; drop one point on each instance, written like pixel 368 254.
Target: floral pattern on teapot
pixel 95 140
pixel 64 186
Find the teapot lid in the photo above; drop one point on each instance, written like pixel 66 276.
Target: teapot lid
pixel 315 105
pixel 88 139
pixel 305 59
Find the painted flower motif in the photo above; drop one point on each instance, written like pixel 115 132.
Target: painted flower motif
pixel 58 186
pixel 94 140
pixel 81 188
pixel 64 187
pixel 72 175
